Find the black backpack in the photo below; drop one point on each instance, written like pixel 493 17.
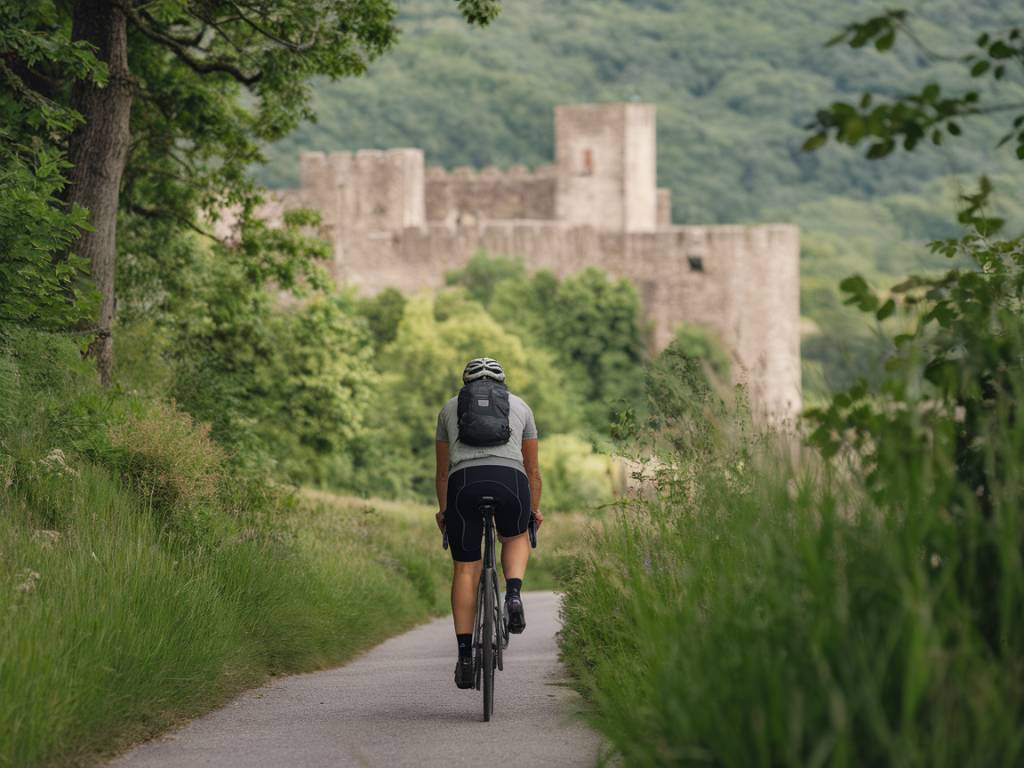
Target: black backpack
pixel 483 413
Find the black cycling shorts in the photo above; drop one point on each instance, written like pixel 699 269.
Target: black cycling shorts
pixel 463 521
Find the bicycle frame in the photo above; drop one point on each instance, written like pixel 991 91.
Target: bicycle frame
pixel 490 627
pixel 490 635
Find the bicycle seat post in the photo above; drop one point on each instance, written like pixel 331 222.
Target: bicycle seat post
pixel 487 506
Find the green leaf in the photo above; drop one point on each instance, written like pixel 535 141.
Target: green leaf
pixel 886 310
pixel 980 68
pixel 880 149
pixel 854 284
pixel 854 130
pixel 1000 50
pixel 815 142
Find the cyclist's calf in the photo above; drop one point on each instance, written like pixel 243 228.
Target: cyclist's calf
pixel 465 578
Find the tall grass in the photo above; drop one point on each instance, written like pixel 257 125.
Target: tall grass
pixel 141 582
pixel 775 617
pixel 755 612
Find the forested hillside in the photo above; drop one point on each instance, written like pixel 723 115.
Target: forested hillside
pixel 735 84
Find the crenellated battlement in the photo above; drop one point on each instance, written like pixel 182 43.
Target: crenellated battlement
pixel 466 194
pixel 514 173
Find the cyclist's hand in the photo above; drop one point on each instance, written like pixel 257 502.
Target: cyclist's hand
pixel 439 517
pixel 539 517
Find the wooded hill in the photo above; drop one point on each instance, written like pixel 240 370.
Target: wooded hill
pixel 735 85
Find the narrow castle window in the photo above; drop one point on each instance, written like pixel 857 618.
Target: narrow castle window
pixel 587 167
pixel 696 263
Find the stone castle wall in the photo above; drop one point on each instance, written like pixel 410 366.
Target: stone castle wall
pixel 369 190
pixel 392 223
pixel 605 156
pixel 466 196
pixel 714 277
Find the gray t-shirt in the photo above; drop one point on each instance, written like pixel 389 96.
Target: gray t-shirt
pixel 520 421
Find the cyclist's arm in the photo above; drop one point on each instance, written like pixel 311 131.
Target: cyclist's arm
pixel 532 464
pixel 441 474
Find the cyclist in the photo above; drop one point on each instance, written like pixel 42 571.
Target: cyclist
pixel 496 456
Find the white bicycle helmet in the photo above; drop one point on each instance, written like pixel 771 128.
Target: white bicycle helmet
pixel 482 368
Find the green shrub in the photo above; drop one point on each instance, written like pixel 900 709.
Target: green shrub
pixel 576 477
pixel 169 462
pixel 588 322
pixel 422 369
pixel 286 389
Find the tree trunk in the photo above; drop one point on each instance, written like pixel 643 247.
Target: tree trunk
pixel 98 150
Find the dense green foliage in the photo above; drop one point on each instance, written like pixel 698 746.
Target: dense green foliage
pixel 156 112
pixel 42 283
pixel 37 288
pixel 421 370
pixel 343 393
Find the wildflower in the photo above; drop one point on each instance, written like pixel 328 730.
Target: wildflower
pixel 29 580
pixel 57 463
pixel 46 537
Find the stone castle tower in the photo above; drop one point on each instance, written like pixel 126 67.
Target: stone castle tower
pixel 392 222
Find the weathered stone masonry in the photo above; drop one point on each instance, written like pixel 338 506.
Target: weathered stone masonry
pixel 394 223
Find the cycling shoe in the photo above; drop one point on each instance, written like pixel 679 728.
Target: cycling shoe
pixel 516 614
pixel 464 672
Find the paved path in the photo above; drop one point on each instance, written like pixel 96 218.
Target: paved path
pixel 397 706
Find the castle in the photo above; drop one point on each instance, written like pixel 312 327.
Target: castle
pixel 393 222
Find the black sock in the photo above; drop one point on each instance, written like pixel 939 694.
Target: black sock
pixel 465 645
pixel 512 587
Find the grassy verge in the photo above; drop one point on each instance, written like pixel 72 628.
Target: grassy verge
pixel 763 616
pixel 561 539
pixel 112 633
pixel 143 582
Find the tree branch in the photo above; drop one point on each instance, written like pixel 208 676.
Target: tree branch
pixel 199 65
pixel 923 47
pixel 193 38
pixel 290 45
pixel 163 213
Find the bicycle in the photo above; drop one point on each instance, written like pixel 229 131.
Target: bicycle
pixel 490 630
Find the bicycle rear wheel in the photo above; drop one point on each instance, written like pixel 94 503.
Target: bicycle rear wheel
pixel 489 631
pixel 501 626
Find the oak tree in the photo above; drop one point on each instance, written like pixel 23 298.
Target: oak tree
pixel 166 105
